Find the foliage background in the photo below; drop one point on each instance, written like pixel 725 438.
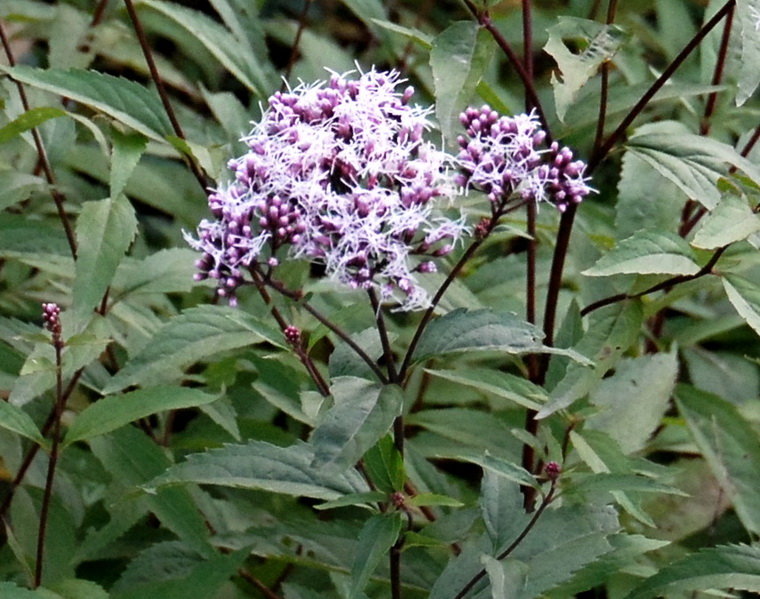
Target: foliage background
pixel 658 441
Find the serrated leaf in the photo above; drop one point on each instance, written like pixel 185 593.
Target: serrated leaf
pixel 692 162
pixel 744 295
pixel 432 499
pixel 458 58
pixel 127 149
pixel 105 230
pixel 201 582
pixel 260 465
pixel 115 411
pixel 501 384
pixel 353 499
pixel 482 330
pixel 363 412
pixel 501 467
pixel 735 567
pixel 16 187
pixel 14 419
pixel 132 459
pixel 79 589
pixel 385 466
pixel 187 338
pixel 29 120
pixel 602 482
pixel 730 446
pixel 646 252
pixel 234 55
pixel 165 271
pixel 732 220
pixel 345 362
pixel 633 400
pixel 375 540
pixel 124 100
pixel 612 331
pixel 599 42
pixel 747 17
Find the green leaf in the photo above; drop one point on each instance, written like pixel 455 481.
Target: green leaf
pixel 127 149
pixel 29 120
pixel 363 412
pixel 16 187
pixel 259 465
pixel 747 12
pixel 132 459
pixel 375 540
pixel 732 220
pixel 730 445
pixel 353 499
pixel 646 252
pixel 14 419
pixel 115 411
pixel 124 100
pixel 599 43
pixel 602 482
pixel 494 382
pixel 385 466
pixel 233 54
pixel 633 400
pixel 345 362
pixel 744 295
pixel 424 499
pixel 202 582
pixel 105 230
pixel 611 332
pixel 195 334
pixel 165 271
pixel 79 589
pixel 9 590
pixel 692 162
pixel 458 58
pixel 734 567
pixel 505 468
pixel 463 330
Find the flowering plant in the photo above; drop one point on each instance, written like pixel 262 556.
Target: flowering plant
pixel 478 322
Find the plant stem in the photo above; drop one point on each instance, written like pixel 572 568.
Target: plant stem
pixel 602 119
pixel 343 335
pixel 527 21
pixel 504 554
pixel 618 133
pixel 59 199
pixel 705 270
pixel 382 330
pixel 296 42
pixel 60 401
pixel 303 356
pixel 530 90
pixel 155 76
pixel 720 64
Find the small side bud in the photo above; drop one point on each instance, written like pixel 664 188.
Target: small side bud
pixel 293 335
pixel 51 315
pixel 552 470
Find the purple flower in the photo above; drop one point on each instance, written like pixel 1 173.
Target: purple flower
pixel 503 157
pixel 337 173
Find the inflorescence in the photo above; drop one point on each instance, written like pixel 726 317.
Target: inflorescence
pixel 339 173
pixel 502 156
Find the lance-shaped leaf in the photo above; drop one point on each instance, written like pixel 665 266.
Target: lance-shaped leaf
pixel 126 101
pixel 647 253
pixel 598 42
pixel 732 220
pixel 735 567
pixel 463 330
pixel 730 445
pixel 377 536
pixel 29 120
pixel 362 413
pixel 237 57
pixel 458 59
pixel 692 162
pixel 127 149
pixel 747 17
pixel 115 411
pixel 501 384
pixel 188 337
pixel 105 230
pixel 266 467
pixel 744 295
pixel 14 419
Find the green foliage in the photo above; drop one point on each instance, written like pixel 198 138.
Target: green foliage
pixel 577 413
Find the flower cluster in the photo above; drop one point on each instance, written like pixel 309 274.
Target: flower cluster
pixel 502 157
pixel 337 173
pixel 51 316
